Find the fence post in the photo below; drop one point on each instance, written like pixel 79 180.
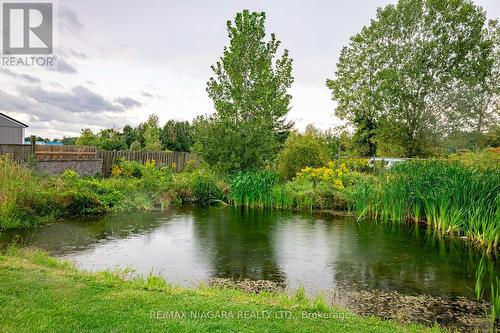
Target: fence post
pixel 33 145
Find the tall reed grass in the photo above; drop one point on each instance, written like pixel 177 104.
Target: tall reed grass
pixel 451 197
pixel 255 189
pixel 263 189
pixel 494 287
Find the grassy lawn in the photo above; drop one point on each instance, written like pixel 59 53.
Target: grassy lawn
pixel 41 294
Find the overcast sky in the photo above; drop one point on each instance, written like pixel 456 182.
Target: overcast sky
pixel 121 60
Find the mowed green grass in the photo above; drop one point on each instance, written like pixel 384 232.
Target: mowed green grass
pixel 41 294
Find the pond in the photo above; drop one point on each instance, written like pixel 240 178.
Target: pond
pixel 335 255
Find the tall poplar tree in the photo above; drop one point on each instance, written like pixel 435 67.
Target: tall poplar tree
pixel 249 92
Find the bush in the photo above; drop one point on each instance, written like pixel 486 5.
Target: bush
pixel 356 164
pixel 27 200
pixel 487 158
pixel 22 195
pixel 127 169
pixel 300 151
pixel 330 175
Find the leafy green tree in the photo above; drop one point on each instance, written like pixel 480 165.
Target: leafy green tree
pixel 301 150
pixel 340 135
pixel 111 139
pixel 399 67
pixel 475 104
pixel 176 136
pixel 87 138
pixel 135 146
pixel 492 137
pixel 69 140
pixel 249 91
pixel 152 134
pixel 131 134
pixel 106 139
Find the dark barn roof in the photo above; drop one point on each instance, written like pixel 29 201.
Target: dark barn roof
pixel 17 122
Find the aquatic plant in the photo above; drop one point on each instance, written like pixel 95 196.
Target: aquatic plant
pixel 479 290
pixel 481 269
pixel 204 186
pixel 254 189
pixel 495 302
pixel 453 198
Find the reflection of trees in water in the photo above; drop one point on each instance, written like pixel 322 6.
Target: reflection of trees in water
pixel 239 243
pixel 412 259
pixel 83 233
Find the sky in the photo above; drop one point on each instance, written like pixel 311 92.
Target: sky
pixel 120 61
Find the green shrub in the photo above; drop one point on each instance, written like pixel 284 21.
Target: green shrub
pixel 22 197
pixel 27 200
pixel 485 159
pixel 302 150
pixel 356 164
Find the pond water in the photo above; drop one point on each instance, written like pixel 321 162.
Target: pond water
pixel 318 251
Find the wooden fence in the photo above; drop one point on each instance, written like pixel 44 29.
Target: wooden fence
pixel 72 153
pixel 17 152
pixel 47 152
pixel 160 157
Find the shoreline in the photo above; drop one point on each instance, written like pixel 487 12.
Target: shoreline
pixel 54 295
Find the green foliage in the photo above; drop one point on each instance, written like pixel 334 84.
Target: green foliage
pixel 356 164
pixel 301 150
pixel 110 139
pixel 22 196
pixel 476 104
pixel 71 141
pixel 487 158
pixel 204 186
pixel 176 136
pixel 451 197
pixel 397 72
pixel 127 169
pixel 313 188
pixel 253 188
pixel 152 134
pixel 249 91
pixel 135 146
pixel 106 139
pixel 87 138
pixel 27 199
pixel 492 137
pixel 134 134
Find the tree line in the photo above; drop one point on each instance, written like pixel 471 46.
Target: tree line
pixel 421 79
pixel 174 135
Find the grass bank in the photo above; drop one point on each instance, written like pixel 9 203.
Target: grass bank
pixel 42 294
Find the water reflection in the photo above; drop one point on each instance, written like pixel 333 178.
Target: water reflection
pixel 320 252
pixel 239 243
pixel 62 238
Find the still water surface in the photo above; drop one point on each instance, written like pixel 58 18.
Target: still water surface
pixel 321 252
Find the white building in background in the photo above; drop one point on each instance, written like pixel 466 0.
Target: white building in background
pixel 11 130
